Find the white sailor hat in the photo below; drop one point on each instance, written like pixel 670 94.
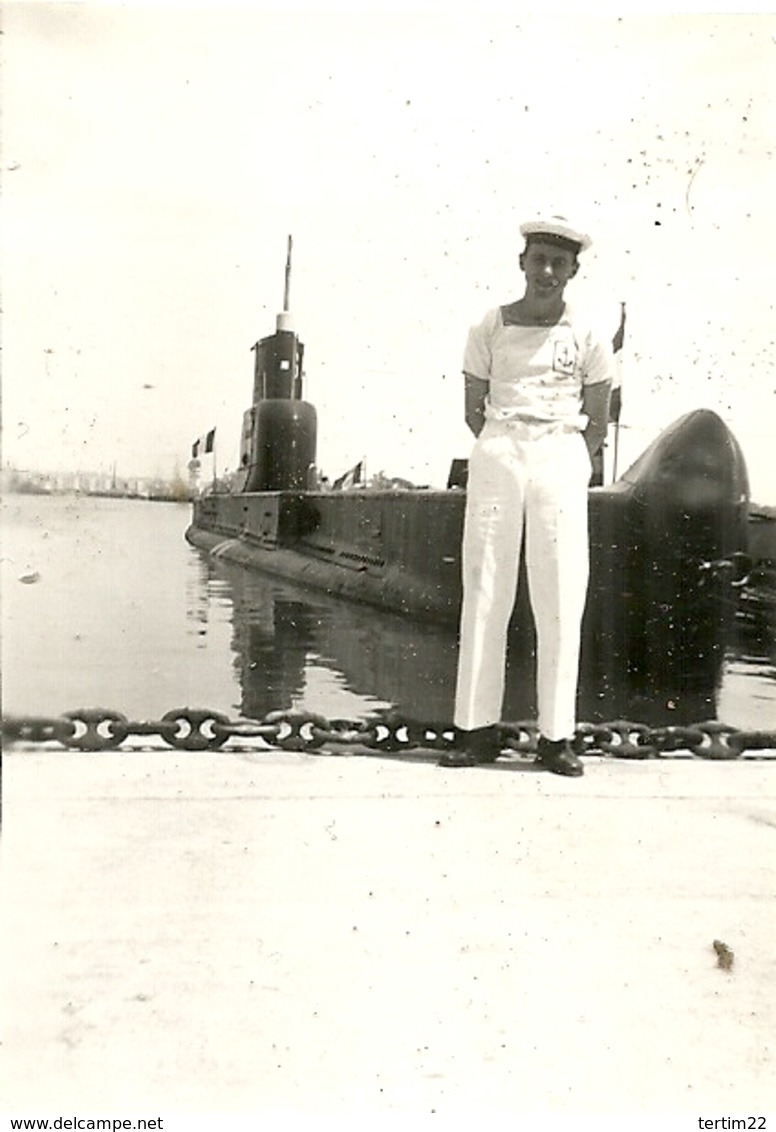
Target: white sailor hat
pixel 557 226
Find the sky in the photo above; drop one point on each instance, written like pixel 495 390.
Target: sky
pixel 156 158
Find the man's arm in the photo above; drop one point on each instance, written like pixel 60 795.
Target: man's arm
pixel 595 406
pixel 476 397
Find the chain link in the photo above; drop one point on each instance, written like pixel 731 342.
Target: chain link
pixel 201 729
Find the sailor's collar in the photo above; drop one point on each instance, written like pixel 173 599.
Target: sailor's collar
pixel 508 320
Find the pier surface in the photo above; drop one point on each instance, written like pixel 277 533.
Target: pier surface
pixel 280 933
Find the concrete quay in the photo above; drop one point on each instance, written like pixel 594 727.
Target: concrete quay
pixel 280 933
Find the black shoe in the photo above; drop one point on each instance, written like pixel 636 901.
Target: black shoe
pixel 480 746
pixel 558 757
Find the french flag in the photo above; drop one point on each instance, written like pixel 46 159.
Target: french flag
pixel 204 444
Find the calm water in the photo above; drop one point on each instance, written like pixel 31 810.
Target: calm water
pixel 118 611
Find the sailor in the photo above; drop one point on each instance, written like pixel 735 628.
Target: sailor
pixel 537 379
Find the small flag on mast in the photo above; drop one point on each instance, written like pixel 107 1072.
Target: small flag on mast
pixel 615 403
pixel 204 444
pixel 351 478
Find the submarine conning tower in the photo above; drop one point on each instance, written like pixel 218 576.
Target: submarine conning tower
pixel 278 446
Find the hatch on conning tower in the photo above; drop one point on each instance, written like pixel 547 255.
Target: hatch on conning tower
pixel 278 446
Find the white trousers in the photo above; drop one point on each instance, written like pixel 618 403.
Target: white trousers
pixel 528 477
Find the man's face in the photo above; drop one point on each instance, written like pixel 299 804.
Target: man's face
pixel 547 268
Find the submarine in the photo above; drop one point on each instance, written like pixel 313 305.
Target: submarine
pixel 667 541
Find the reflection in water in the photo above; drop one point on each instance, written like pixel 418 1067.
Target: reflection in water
pixel 125 614
pixel 295 647
pixel 199 596
pixel 292 645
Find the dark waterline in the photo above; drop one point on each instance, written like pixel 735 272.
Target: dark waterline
pixel 116 610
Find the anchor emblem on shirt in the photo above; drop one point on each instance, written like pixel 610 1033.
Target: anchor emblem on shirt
pixel 564 357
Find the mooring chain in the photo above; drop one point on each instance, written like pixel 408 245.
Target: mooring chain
pixel 201 729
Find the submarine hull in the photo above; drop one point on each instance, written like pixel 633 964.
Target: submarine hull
pixel 663 542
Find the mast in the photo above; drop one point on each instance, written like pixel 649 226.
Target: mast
pixel 284 320
pixel 287 289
